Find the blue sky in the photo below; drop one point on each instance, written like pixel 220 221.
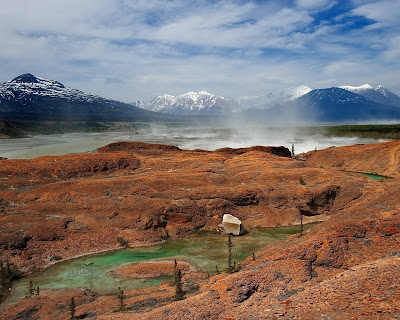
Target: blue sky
pixel 135 50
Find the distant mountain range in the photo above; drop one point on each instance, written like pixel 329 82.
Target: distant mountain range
pixel 190 103
pixel 271 99
pixel 379 94
pixel 28 97
pixel 31 97
pixel 297 104
pixel 328 105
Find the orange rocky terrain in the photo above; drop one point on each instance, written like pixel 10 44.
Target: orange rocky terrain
pixel 346 267
pixel 154 268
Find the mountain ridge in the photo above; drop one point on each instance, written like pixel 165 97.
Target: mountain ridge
pixel 190 103
pixel 37 98
pixel 32 97
pixel 379 94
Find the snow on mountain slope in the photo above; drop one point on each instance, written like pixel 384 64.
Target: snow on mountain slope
pixel 26 87
pixel 330 105
pixel 273 98
pixel 378 94
pixel 331 96
pixel 35 98
pixel 190 103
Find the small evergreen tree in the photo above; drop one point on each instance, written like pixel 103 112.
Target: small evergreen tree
pixel 30 290
pixel 121 297
pixel 179 293
pixel 72 308
pixel 230 245
pixel 175 270
pixel 301 223
pixel 292 150
pixel 8 272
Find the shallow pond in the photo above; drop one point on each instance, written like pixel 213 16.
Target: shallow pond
pixel 374 176
pixel 371 175
pixel 206 250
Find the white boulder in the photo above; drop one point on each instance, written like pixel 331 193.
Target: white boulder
pixel 231 224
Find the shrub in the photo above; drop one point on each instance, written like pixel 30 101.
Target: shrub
pixel 124 243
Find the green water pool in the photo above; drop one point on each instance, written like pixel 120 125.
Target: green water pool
pixel 370 175
pixel 205 249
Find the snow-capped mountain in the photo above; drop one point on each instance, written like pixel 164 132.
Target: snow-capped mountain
pixel 202 102
pixel 327 105
pixel 161 103
pixel 271 99
pixel 31 97
pixel 28 87
pixel 378 94
pixel 194 103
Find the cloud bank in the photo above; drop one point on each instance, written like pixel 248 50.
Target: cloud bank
pixel 136 49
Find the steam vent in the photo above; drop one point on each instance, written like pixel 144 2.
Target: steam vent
pixel 231 224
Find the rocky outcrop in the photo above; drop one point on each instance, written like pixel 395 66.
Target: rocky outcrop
pixel 279 151
pixel 379 158
pixel 231 224
pixel 136 147
pixel 345 267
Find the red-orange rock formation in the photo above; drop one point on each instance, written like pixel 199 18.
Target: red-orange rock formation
pixel 377 158
pixel 344 268
pixel 153 269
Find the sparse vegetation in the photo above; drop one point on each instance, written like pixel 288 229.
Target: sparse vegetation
pixel 179 293
pixel 22 129
pixel 376 131
pixel 4 203
pixel 231 267
pixel 121 297
pixel 230 246
pixel 292 150
pixel 301 181
pixel 72 309
pixel 30 290
pixel 8 272
pixel 124 243
pixel 301 223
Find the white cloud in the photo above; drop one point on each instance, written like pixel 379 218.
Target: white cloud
pixel 385 12
pixel 392 53
pixel 313 4
pixel 227 47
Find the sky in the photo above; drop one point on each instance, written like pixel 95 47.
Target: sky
pixel 133 50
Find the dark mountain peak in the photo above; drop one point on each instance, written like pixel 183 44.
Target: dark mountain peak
pixel 30 97
pixel 25 78
pixel 28 78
